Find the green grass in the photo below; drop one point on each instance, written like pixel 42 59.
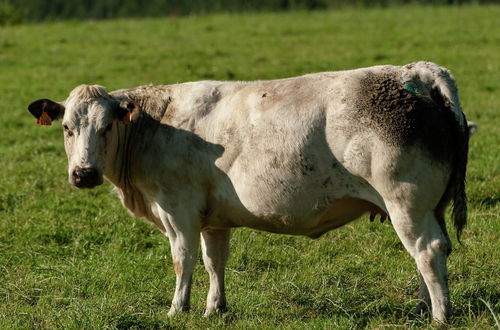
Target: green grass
pixel 76 259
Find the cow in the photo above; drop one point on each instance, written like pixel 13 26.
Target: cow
pixel 296 156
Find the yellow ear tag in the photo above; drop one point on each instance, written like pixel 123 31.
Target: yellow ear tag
pixel 44 120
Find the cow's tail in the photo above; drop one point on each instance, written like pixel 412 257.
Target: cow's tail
pixel 456 185
pixel 445 94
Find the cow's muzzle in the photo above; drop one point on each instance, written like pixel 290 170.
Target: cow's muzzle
pixel 86 177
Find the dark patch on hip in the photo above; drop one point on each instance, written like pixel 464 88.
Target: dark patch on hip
pixel 401 118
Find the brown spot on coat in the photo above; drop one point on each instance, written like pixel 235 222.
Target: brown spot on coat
pixel 177 267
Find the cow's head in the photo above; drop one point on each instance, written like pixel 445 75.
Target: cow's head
pixel 89 115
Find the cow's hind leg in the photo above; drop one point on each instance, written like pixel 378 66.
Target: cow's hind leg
pixel 215 247
pixel 425 241
pixel 424 299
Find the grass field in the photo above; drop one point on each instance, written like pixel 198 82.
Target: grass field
pixel 76 259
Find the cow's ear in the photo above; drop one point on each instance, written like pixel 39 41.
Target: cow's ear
pixel 128 111
pixel 45 111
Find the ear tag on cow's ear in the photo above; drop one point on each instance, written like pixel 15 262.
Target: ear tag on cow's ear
pixel 44 119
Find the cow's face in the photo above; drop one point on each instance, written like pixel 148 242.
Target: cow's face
pixel 88 117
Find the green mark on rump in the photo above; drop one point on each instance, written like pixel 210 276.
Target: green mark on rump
pixel 411 87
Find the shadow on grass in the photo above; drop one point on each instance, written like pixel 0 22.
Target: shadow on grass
pixel 139 321
pixel 489 201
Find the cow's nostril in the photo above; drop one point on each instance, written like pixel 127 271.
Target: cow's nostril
pixel 89 174
pixel 77 177
pixel 86 177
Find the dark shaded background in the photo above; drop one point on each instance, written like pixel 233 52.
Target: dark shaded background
pixel 17 11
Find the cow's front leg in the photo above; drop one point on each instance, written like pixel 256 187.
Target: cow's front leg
pixel 184 235
pixel 215 247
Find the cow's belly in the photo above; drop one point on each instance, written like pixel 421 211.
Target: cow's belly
pixel 313 222
pixel 287 202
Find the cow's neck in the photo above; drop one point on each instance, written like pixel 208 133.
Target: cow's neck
pixel 125 149
pixel 118 162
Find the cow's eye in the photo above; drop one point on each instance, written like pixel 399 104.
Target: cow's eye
pixel 67 130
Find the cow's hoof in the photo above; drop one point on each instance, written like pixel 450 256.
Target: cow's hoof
pixel 175 310
pixel 440 324
pixel 215 310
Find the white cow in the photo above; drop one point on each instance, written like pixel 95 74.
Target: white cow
pixel 296 156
